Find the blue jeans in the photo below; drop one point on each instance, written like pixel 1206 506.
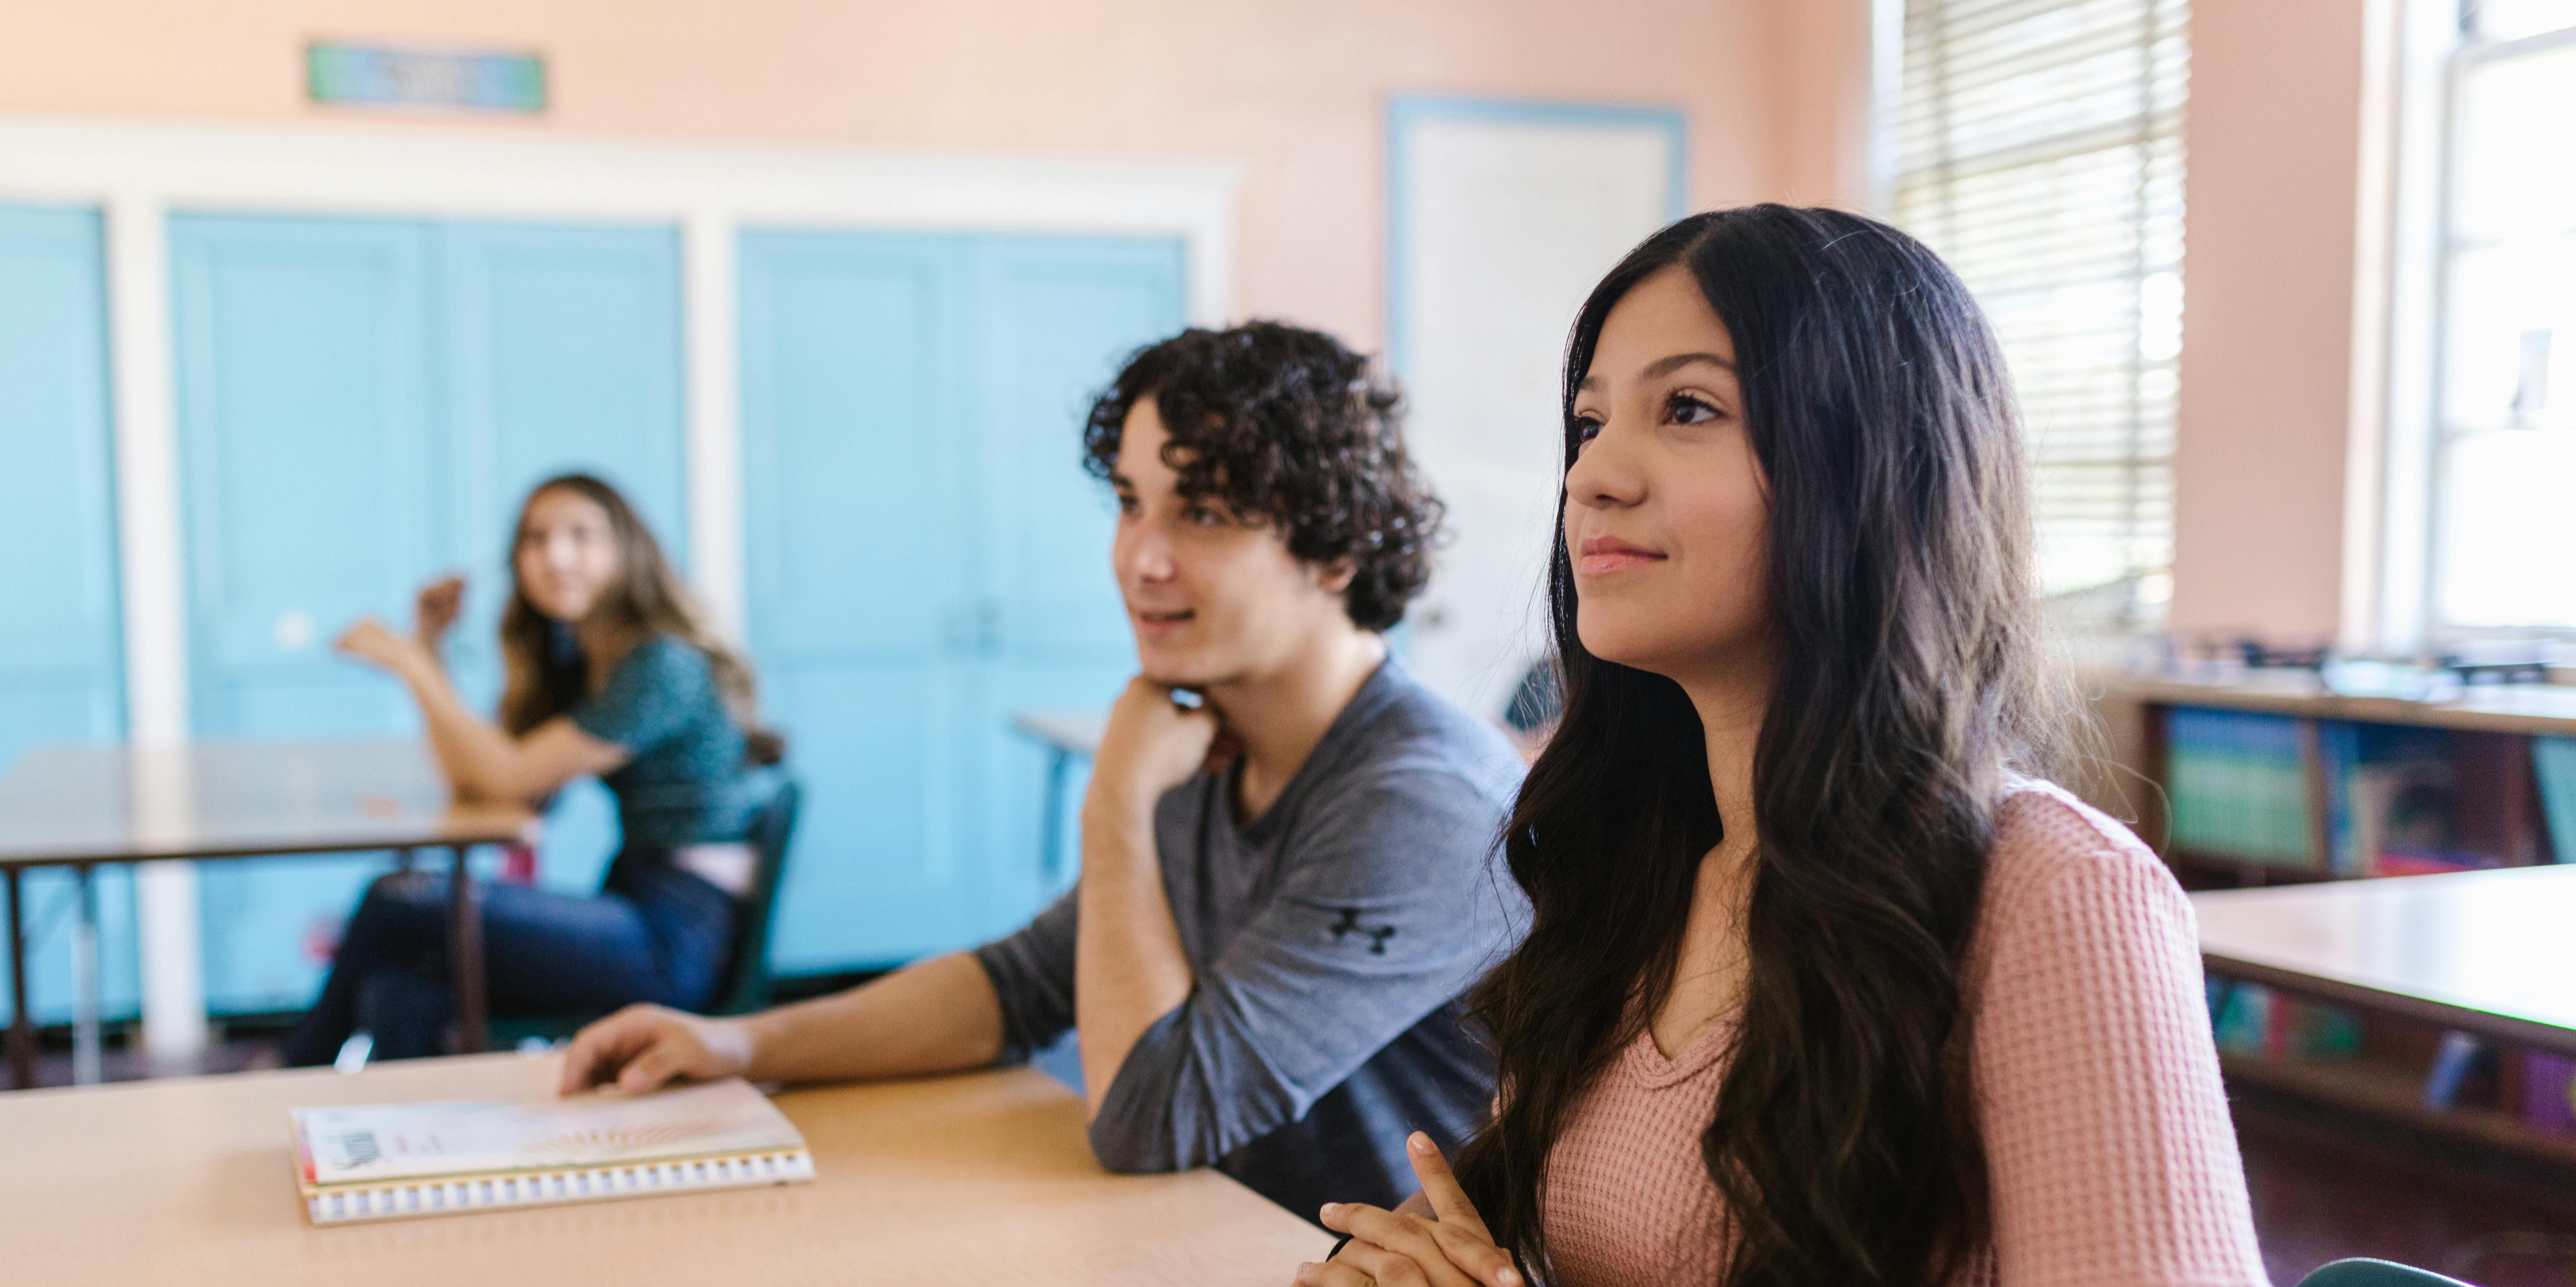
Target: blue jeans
pixel 653 933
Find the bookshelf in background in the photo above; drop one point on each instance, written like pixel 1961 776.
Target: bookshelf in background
pixel 2271 779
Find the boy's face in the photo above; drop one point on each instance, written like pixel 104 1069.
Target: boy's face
pixel 1213 599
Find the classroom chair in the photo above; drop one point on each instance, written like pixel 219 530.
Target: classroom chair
pixel 746 986
pixel 2375 1273
pixel 745 981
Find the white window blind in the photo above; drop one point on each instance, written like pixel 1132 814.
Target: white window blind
pixel 2037 145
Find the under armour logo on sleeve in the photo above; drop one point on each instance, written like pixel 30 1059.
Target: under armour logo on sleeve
pixel 1377 935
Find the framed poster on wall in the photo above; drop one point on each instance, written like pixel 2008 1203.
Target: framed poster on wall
pixel 1502 215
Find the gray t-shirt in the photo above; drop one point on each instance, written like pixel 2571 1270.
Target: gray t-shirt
pixel 1330 940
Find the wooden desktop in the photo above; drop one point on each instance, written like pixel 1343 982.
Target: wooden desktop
pixel 978 1178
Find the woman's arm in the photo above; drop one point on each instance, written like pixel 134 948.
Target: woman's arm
pixel 481 761
pixel 2109 1152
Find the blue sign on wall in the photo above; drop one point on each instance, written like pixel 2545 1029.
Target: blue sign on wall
pixel 381 76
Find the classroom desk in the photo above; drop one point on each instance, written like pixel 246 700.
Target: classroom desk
pixel 82 806
pixel 2487 952
pixel 981 1178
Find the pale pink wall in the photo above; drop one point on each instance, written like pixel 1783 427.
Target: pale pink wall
pixel 1822 93
pixel 1775 92
pixel 1293 89
pixel 2273 144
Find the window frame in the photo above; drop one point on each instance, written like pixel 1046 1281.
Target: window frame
pixel 2466 53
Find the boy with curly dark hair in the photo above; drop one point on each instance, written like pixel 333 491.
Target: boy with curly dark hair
pixel 1287 843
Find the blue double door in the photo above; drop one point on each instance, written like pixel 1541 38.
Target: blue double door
pixel 362 405
pixel 61 650
pixel 926 555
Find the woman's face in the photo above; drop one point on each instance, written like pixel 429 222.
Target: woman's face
pixel 1667 513
pixel 567 555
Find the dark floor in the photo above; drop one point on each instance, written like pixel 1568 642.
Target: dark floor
pixel 2327 1185
pixel 117 1063
pixel 2324 1185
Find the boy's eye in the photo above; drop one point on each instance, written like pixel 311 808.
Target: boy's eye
pixel 1202 516
pixel 1126 504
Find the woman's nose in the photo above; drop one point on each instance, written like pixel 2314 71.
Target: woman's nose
pixel 1604 475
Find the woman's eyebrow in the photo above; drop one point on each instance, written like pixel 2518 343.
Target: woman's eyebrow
pixel 1666 366
pixel 1661 367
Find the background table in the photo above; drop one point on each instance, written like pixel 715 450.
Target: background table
pixel 1065 734
pixel 82 806
pixel 2487 952
pixel 982 1178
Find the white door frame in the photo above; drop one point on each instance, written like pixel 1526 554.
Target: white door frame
pixel 139 172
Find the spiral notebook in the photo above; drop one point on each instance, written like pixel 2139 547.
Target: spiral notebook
pixel 394 1161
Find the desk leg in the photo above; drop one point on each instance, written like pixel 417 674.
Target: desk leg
pixel 86 1069
pixel 1051 847
pixel 465 958
pixel 22 1029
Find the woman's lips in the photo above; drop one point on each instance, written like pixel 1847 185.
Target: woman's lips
pixel 1606 556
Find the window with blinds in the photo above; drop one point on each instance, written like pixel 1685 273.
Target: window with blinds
pixel 2037 145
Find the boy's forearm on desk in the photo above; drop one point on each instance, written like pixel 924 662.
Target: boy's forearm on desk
pixel 938 1015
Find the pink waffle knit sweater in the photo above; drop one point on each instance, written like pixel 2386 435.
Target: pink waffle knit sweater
pixel 2108 1145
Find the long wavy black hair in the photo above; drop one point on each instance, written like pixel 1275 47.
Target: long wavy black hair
pixel 1902 609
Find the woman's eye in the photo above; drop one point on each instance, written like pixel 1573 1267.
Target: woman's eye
pixel 1586 429
pixel 1686 409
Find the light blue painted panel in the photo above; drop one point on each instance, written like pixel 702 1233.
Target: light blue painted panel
pixel 1055 317
pixel 562 350
pixel 61 677
pixel 927 555
pixel 58 622
pixel 312 492
pixel 309 473
pixel 363 404
pixel 563 355
pixel 860 582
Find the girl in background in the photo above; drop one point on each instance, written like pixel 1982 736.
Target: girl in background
pixel 1825 987
pixel 611 672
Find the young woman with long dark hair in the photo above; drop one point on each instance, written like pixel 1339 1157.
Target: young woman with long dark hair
pixel 1826 986
pixel 609 671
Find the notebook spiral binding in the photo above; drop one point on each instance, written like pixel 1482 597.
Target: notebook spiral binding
pixel 397 1199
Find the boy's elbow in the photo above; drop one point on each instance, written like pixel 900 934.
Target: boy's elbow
pixel 1122 1149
